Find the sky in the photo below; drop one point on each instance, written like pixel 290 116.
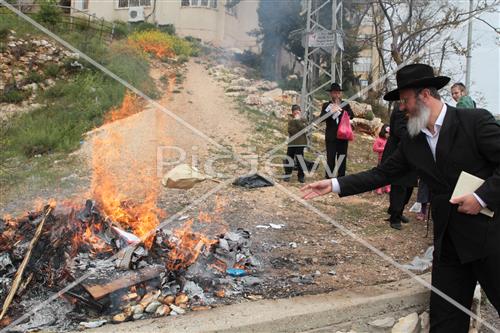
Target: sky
pixel 485 69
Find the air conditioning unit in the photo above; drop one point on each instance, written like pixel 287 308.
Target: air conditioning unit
pixel 135 14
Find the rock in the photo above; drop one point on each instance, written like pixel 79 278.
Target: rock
pixel 293 245
pixel 137 309
pixel 93 324
pixel 181 299
pixel 292 77
pixel 162 310
pixel 49 82
pixel 241 82
pixel 249 281
pixel 169 300
pixel 408 324
pixel 290 97
pixel 234 94
pixel 120 318
pixel 177 309
pixel 360 110
pixel 31 86
pixel 152 307
pixel 264 100
pixel 235 88
pixel 332 272
pixel 138 316
pixel 149 297
pixel 370 127
pixel 267 85
pixel 424 322
pixel 275 94
pixel 251 90
pixel 382 325
pixel 252 100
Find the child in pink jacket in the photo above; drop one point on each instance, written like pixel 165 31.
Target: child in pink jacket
pixel 378 147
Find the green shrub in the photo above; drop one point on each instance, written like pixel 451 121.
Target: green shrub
pixel 51 70
pixel 182 59
pixel 167 28
pixel 14 96
pixel 120 29
pixel 49 13
pixel 33 77
pixel 143 26
pixel 369 116
pixel 4 33
pixel 249 58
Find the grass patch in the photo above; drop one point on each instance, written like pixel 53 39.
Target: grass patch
pixel 14 96
pixel 51 70
pixel 76 106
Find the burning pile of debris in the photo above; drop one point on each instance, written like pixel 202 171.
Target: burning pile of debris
pixel 118 275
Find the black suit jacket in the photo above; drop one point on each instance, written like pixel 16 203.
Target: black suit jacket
pixel 398 131
pixel 469 140
pixel 331 124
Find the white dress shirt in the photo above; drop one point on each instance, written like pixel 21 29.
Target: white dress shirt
pixel 432 140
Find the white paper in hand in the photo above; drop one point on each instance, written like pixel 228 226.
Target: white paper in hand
pixel 467 184
pixel 331 108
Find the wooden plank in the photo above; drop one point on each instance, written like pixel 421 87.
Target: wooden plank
pixel 128 279
pixel 19 274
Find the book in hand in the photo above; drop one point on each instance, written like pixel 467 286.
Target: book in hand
pixel 467 184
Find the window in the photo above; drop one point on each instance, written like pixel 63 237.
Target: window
pixel 363 64
pixel 199 3
pixel 82 4
pixel 133 3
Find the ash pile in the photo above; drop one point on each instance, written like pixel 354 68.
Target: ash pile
pixel 117 276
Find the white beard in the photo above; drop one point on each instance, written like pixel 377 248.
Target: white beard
pixel 418 122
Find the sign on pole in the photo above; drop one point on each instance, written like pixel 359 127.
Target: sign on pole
pixel 322 38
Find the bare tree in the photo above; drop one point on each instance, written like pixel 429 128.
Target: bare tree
pixel 420 29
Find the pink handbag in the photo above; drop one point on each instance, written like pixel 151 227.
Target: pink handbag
pixel 344 131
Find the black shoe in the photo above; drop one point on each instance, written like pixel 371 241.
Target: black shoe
pixel 301 180
pixel 396 226
pixel 404 219
pixel 287 179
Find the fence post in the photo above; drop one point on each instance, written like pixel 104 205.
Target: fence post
pixel 102 27
pixel 112 31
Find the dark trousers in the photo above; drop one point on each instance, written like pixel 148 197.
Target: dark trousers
pixel 334 149
pixel 459 281
pixel 398 198
pixel 294 153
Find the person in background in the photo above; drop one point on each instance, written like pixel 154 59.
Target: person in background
pixel 336 149
pixel 423 197
pixel 401 187
pixel 459 94
pixel 378 147
pixel 295 150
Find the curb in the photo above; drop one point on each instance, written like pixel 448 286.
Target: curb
pixel 297 314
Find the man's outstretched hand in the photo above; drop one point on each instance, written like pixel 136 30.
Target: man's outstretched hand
pixel 316 189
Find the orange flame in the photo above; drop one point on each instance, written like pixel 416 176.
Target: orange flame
pixel 125 183
pixel 132 104
pixel 187 247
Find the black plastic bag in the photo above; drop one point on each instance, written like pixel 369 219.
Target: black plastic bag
pixel 252 181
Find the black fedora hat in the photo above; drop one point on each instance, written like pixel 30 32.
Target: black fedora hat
pixel 335 87
pixel 416 76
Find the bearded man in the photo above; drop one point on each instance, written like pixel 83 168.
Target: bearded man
pixel 442 142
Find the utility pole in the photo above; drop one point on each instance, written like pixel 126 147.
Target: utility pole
pixel 321 39
pixel 469 48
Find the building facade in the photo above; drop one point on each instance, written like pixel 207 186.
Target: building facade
pixel 210 20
